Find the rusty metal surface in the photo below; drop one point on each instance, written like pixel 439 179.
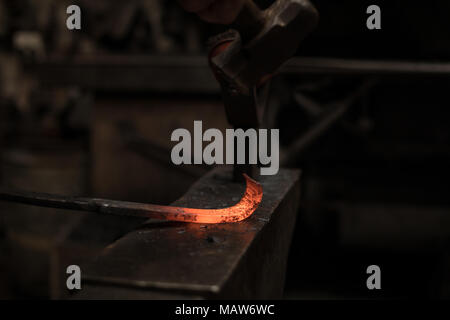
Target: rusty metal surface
pixel 239 260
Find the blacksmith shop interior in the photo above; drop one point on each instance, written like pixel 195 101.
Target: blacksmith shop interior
pixel 87 178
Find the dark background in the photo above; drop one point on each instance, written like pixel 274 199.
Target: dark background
pixel 90 112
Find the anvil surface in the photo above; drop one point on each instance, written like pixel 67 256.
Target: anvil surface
pixel 163 259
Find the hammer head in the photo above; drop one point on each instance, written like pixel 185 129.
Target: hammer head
pixel 287 22
pixel 252 55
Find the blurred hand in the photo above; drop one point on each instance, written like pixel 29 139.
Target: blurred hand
pixel 214 11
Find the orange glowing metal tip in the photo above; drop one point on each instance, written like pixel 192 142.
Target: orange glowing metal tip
pixel 243 209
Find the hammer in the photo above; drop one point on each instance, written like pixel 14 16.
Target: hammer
pixel 243 58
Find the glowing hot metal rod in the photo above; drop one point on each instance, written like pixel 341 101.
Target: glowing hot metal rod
pixel 243 209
